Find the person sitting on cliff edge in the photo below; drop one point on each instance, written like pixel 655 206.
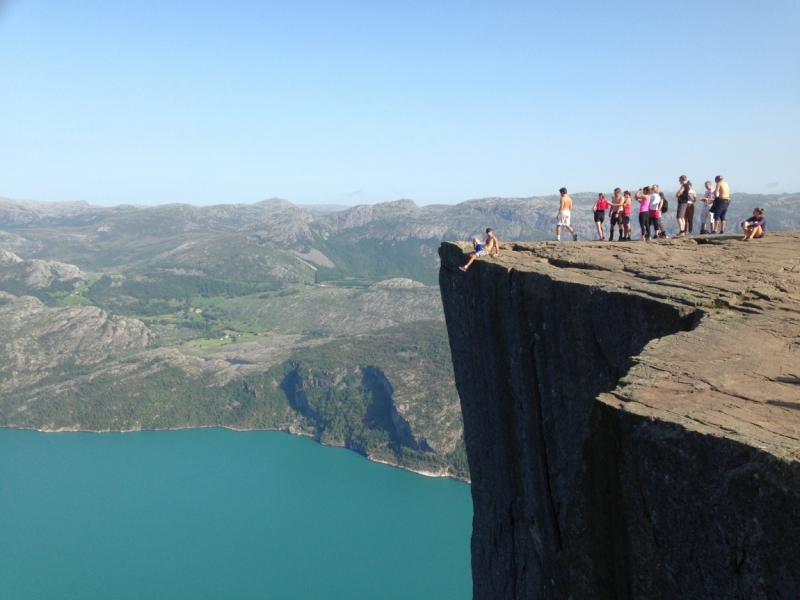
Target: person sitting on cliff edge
pixel 492 243
pixel 483 249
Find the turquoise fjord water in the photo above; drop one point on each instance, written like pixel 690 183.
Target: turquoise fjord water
pixel 212 513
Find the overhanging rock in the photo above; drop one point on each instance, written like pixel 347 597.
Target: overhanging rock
pixel 631 416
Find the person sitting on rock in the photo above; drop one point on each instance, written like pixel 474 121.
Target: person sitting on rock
pixel 480 250
pixel 755 226
pixel 492 243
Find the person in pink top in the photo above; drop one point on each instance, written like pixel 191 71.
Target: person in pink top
pixel 643 196
pixel 600 207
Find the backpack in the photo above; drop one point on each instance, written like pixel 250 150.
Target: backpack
pixel 664 204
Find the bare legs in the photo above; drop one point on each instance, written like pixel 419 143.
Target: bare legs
pixel 569 228
pixel 751 232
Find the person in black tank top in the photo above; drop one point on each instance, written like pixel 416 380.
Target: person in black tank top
pixel 683 203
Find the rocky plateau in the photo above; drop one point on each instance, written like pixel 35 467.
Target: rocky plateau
pixel 631 416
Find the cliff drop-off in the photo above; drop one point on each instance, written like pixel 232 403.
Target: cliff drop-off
pixel 631 417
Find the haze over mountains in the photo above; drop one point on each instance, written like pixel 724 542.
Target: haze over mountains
pixel 325 321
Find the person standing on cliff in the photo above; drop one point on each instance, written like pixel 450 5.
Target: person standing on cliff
pixel 705 214
pixel 683 204
pixel 690 209
pixel 617 202
pixel 643 196
pixel 563 215
pixel 722 200
pixel 626 216
pixel 599 209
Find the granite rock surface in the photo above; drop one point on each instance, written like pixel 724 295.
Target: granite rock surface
pixel 631 416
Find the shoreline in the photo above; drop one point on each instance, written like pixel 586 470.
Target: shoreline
pixel 289 430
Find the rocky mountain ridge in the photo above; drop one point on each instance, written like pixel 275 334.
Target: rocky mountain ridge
pixel 37 274
pixel 120 236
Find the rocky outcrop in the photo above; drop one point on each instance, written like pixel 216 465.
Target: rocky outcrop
pixel 35 339
pixel 631 416
pixel 36 273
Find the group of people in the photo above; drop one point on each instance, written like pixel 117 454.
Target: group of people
pixel 652 204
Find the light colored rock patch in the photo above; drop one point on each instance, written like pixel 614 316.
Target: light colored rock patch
pixel 315 256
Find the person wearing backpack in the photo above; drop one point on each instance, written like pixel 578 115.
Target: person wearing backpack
pixel 683 203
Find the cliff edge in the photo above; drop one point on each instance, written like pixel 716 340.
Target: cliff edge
pixel 631 416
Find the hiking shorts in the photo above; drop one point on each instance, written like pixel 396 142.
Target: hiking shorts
pixel 564 219
pixel 720 208
pixel 599 216
pixel 681 212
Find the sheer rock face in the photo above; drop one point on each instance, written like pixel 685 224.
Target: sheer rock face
pixel 631 416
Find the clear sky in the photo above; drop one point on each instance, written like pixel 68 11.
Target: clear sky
pixel 354 101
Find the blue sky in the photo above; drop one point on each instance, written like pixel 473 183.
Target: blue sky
pixel 349 102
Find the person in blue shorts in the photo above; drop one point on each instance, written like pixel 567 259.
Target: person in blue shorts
pixel 492 244
pixel 722 200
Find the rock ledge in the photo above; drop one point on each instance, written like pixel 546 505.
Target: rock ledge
pixel 632 416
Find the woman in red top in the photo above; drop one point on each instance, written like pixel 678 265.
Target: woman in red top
pixel 626 215
pixel 600 207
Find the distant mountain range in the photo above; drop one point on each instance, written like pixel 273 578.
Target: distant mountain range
pixel 99 237
pixel 321 320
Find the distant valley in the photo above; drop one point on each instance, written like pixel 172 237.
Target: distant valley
pixel 321 321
